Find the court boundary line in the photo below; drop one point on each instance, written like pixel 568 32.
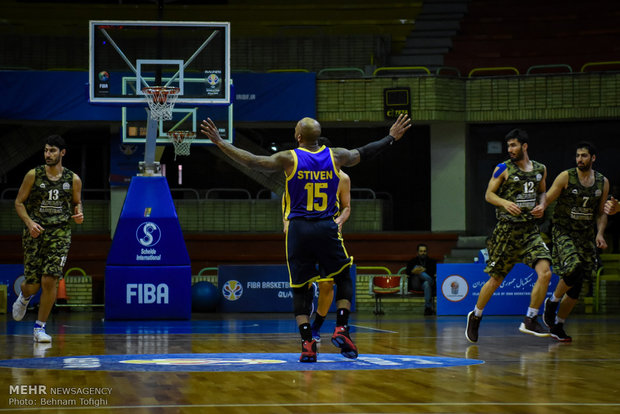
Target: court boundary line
pixel 371 329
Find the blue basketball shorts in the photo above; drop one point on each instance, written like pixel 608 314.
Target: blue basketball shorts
pixel 314 242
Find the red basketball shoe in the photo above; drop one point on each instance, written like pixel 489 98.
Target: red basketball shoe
pixel 308 351
pixel 342 340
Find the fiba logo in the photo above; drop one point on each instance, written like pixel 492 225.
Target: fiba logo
pixel 213 80
pixel 454 288
pixel 104 76
pixel 232 290
pixel 148 234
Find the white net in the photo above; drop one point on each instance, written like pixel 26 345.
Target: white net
pixel 182 140
pixel 161 100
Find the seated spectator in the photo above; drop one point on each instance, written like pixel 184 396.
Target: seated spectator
pixel 422 272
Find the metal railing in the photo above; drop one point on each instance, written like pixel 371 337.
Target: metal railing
pixel 401 69
pixel 546 67
pixel 497 69
pixel 356 72
pixel 601 65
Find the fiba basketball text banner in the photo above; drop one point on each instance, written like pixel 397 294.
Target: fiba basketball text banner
pixel 148 292
pixel 148 272
pixel 459 284
pixel 260 288
pixel 258 97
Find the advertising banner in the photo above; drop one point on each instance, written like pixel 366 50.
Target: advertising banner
pixel 148 273
pixel 263 288
pixel 459 284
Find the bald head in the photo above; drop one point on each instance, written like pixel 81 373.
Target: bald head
pixel 307 131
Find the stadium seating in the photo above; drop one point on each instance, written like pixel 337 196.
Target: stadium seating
pixel 527 33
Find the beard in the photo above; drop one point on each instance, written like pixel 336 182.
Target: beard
pixel 517 156
pixel 51 161
pixel 584 167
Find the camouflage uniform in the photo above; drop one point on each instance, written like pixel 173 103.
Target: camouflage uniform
pixel 49 204
pixel 574 228
pixel 517 238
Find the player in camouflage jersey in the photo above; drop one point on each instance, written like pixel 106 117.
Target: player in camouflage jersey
pixel 517 188
pixel 48 198
pixel 581 193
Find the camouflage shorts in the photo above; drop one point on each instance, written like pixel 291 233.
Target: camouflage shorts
pixel 513 243
pixel 570 251
pixel 46 254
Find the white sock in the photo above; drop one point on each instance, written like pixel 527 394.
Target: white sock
pixel 478 312
pixel 24 299
pixel 554 299
pixel 531 312
pixel 559 320
pixel 39 324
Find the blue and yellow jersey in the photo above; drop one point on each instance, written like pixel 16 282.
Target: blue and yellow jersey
pixel 312 186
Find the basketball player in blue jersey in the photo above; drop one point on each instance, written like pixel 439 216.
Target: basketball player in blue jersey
pixel 326 288
pixel 312 178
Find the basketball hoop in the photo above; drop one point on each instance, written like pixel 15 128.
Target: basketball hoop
pixel 161 100
pixel 182 140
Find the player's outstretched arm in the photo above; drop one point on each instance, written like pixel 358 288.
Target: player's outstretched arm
pixel 400 126
pixel 279 161
pixel 349 158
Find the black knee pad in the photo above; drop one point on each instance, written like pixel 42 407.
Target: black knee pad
pixel 302 300
pixel 344 284
pixel 576 276
pixel 575 290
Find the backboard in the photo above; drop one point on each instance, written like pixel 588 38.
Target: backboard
pixel 184 118
pixel 126 56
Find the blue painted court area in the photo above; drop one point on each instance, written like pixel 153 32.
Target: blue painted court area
pixel 223 326
pixel 234 362
pixel 93 323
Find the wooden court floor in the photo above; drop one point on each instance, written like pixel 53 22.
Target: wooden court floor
pixel 520 373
